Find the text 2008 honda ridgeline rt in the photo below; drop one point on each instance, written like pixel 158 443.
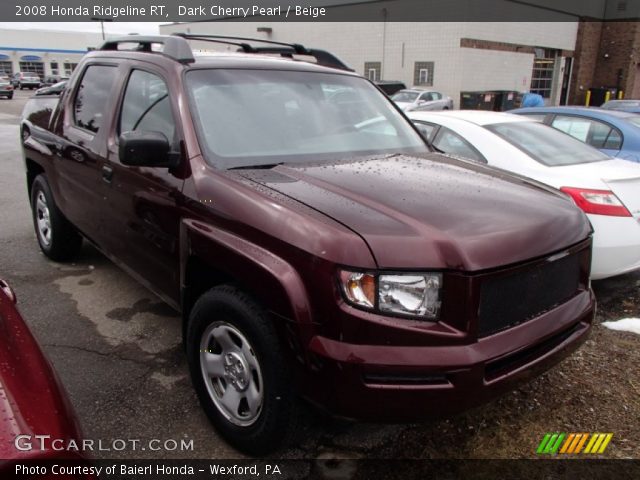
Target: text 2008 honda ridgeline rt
pixel 315 245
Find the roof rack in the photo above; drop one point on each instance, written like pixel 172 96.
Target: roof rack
pixel 177 47
pixel 174 47
pixel 279 48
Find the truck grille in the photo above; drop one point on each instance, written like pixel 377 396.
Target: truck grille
pixel 514 298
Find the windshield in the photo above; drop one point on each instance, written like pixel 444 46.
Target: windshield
pixel 260 117
pixel 547 145
pixel 406 97
pixel 615 104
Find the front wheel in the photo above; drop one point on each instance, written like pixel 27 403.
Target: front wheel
pixel 57 238
pixel 239 371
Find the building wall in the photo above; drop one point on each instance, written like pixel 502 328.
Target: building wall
pixel 506 71
pixel 49 46
pixel 399 45
pixel 617 56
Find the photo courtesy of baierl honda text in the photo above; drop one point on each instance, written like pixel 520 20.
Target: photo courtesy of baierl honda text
pixel 330 239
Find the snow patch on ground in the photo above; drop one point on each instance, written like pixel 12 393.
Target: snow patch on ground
pixel 625 325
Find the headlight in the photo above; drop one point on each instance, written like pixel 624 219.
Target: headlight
pixel 416 295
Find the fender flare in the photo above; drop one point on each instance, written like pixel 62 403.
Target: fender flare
pixel 271 279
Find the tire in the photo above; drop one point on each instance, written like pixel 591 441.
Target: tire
pixel 10 97
pixel 227 324
pixel 21 87
pixel 58 239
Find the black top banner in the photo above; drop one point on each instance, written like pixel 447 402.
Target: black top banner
pixel 318 10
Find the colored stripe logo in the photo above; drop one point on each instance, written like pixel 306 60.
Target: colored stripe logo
pixel 573 443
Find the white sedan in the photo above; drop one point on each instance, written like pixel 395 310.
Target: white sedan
pixel 607 190
pixel 421 99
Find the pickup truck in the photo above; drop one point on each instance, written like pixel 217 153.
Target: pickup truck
pixel 315 244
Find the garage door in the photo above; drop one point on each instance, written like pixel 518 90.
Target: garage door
pixel 33 67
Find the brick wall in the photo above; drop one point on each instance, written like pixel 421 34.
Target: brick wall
pixel 618 48
pixel 607 55
pixel 585 60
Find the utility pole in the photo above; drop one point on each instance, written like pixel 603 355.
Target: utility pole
pixel 101 20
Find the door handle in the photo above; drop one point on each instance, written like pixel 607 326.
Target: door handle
pixel 107 173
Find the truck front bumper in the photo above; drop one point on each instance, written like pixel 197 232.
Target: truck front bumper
pixel 409 383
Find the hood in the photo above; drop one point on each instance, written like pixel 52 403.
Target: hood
pixel 434 211
pixel 32 399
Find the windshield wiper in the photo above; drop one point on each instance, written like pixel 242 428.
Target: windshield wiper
pixel 265 166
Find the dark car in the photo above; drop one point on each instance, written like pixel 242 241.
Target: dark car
pixel 314 244
pixel 390 86
pixel 52 80
pixel 6 89
pixel 24 80
pixel 55 89
pixel 37 417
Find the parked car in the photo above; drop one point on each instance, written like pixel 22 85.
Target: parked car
pixel 421 99
pixel 55 89
pixel 613 132
pixel 390 86
pixel 6 89
pixel 33 399
pixel 24 80
pixel 608 190
pixel 627 105
pixel 314 244
pixel 52 80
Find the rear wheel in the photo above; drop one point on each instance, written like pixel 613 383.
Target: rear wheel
pixel 57 238
pixel 239 372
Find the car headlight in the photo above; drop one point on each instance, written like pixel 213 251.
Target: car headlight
pixel 414 294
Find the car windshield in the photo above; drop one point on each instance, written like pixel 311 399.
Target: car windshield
pixel 248 118
pixel 547 145
pixel 614 104
pixel 407 97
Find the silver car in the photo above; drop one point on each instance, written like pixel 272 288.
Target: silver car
pixel 422 99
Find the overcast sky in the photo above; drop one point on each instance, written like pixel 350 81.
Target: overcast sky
pixel 109 27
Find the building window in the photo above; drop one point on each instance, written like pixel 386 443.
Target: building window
pixel 423 73
pixel 372 70
pixel 54 68
pixel 6 68
pixel 542 75
pixel 69 68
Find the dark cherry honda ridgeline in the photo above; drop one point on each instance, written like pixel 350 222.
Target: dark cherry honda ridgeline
pixel 314 244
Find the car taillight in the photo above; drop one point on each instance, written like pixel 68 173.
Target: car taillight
pixel 597 202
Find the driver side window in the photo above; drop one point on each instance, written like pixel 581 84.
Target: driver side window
pixel 146 106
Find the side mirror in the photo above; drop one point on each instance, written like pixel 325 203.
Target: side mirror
pixel 147 149
pixel 8 291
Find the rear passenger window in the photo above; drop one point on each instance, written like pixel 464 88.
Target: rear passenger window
pixel 426 129
pixel 453 144
pixel 595 133
pixel 93 96
pixel 146 105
